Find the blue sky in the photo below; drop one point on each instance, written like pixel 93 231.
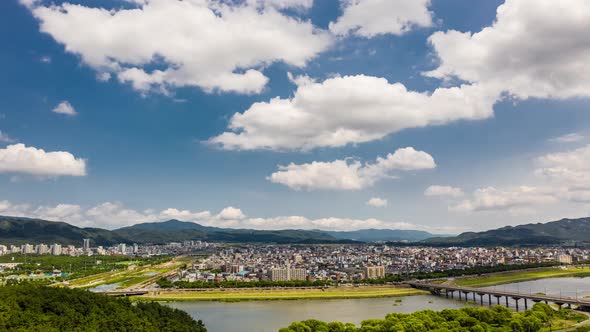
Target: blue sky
pixel 143 147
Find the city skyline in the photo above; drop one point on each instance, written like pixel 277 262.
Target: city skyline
pixel 266 114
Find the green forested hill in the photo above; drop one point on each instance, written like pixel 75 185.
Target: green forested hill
pixel 560 232
pixel 48 309
pixel 18 230
pixel 174 230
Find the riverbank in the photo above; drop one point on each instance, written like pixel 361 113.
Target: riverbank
pixel 234 295
pixel 520 276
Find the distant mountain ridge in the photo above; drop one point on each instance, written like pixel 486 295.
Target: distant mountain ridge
pixel 175 230
pixel 375 235
pixel 561 232
pixel 19 230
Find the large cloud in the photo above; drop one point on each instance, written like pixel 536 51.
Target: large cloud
pixel 494 199
pixel 115 215
pixel 563 177
pixel 569 168
pixel 350 174
pixel 18 158
pixel 535 48
pixel 349 109
pixel 568 172
pixel 369 18
pixel 171 43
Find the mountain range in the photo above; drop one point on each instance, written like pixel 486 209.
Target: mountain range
pixel 19 230
pixel 571 232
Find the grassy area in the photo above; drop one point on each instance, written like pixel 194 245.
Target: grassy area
pixel 518 276
pixel 281 294
pixel 127 277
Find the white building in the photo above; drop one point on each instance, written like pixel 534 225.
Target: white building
pixel 56 249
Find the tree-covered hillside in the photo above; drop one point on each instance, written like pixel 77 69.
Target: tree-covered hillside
pixel 540 317
pixel 48 309
pixel 561 232
pixel 18 230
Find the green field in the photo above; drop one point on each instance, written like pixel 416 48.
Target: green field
pixel 518 276
pixel 127 277
pixel 281 294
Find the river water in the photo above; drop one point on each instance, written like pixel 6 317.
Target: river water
pixel 269 316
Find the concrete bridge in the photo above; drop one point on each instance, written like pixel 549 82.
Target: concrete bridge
pixel 463 293
pixel 121 293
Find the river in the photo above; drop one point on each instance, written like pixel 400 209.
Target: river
pixel 269 316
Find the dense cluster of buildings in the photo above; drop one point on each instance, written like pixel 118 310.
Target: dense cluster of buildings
pixel 56 249
pixel 328 263
pixel 359 262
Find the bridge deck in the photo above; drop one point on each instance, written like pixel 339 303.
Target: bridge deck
pixel 494 292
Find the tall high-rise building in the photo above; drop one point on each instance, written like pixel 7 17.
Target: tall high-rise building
pixel 122 248
pixel 56 249
pixel 86 245
pixel 42 249
pixel 372 272
pixel 27 249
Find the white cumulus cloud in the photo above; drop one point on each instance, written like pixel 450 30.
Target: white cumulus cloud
pixel 369 18
pixel 64 108
pixel 172 213
pixel 563 177
pixel 494 199
pixel 231 213
pixel 112 215
pixel 350 174
pixel 18 158
pixel 445 191
pixel 161 44
pixel 568 172
pixel 377 202
pixel 529 51
pixel 349 109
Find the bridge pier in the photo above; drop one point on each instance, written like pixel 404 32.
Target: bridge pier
pixel 497 298
pixel 481 298
pixel 581 304
pixel 516 299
